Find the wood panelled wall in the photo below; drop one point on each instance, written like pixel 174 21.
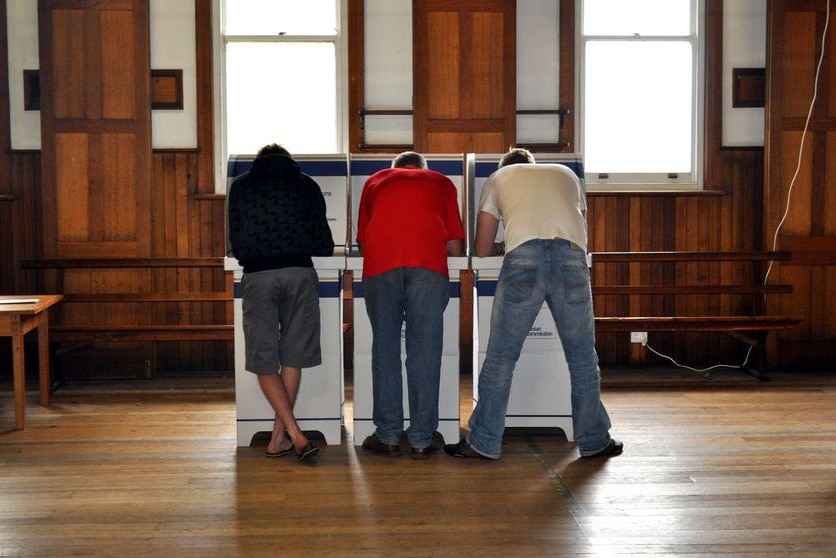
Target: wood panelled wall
pixel 726 217
pixel 185 224
pixel 464 103
pixel 187 219
pixel 800 182
pixel 95 128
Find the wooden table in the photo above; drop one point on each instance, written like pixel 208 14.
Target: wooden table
pixel 19 315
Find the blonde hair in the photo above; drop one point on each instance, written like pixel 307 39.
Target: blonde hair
pixel 516 155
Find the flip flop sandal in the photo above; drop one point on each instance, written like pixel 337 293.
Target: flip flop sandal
pixel 308 452
pixel 281 453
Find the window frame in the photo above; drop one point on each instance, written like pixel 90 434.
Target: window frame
pixel 658 182
pixel 221 39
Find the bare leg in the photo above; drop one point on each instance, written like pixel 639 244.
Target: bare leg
pixel 291 378
pixel 276 393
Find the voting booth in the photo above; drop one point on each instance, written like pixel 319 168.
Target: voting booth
pixel 319 405
pixel 541 390
pixel 361 168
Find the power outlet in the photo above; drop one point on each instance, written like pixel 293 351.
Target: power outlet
pixel 638 337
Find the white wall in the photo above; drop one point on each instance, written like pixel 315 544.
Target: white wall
pixel 388 64
pixel 538 69
pixel 23 55
pixel 744 46
pixel 388 80
pixel 172 47
pixel 388 77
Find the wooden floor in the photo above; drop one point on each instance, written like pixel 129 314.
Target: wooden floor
pixel 720 466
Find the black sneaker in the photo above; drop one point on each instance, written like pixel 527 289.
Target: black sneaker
pixel 424 453
pixel 373 445
pixel 613 448
pixel 463 449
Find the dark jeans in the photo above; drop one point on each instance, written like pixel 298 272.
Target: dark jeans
pixel 418 298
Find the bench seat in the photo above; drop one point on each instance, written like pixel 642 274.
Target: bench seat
pixel 92 334
pixel 694 323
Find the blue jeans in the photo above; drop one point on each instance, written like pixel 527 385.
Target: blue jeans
pixel 555 272
pixel 417 297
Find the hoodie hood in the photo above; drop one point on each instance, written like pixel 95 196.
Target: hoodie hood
pixel 275 166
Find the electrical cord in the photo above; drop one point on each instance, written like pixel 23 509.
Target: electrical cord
pixel 803 137
pixel 706 370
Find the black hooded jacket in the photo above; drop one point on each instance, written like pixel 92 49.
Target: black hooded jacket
pixel 277 216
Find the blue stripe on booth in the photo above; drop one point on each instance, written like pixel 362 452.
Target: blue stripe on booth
pixel 486 287
pixel 239 164
pixel 484 168
pixel 329 289
pixel 576 166
pixel 367 167
pixel 449 167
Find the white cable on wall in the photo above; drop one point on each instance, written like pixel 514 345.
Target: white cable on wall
pixel 789 195
pixel 803 137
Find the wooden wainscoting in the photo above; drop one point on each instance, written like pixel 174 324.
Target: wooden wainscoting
pixel 116 311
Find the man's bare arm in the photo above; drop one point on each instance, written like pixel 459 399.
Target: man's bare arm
pixel 455 248
pixel 486 227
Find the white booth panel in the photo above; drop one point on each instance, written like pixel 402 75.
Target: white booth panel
pixel 448 397
pixel 321 398
pixel 541 391
pixel 361 167
pixel 486 164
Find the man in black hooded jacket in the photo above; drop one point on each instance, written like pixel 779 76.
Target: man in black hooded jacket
pixel 276 223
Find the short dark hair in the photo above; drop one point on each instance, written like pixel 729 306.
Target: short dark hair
pixel 516 155
pixel 273 149
pixel 409 159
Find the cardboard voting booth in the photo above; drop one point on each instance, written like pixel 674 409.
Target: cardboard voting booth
pixel 319 405
pixel 361 168
pixel 541 391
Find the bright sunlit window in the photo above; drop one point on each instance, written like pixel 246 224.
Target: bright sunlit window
pixel 641 97
pixel 282 66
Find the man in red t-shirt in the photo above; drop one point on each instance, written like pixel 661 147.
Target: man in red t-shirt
pixel 408 224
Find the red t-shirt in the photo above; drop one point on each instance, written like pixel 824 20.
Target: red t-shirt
pixel 406 217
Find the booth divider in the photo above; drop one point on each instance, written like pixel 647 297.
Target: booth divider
pixel 540 395
pixel 449 419
pixel 541 391
pixel 321 398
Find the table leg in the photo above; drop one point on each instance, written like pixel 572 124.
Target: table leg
pixel 18 373
pixel 43 359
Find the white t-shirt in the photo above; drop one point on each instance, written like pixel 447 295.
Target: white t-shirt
pixel 536 201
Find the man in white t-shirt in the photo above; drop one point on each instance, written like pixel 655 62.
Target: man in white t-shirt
pixel 543 210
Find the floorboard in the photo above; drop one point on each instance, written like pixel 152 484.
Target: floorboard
pixel 716 466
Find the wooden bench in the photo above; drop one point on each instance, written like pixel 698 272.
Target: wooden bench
pixel 146 332
pixel 736 277
pixel 93 334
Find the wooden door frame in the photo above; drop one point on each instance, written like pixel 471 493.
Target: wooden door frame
pixel 356 82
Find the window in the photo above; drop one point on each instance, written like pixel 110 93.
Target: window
pixel 641 99
pixel 282 66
